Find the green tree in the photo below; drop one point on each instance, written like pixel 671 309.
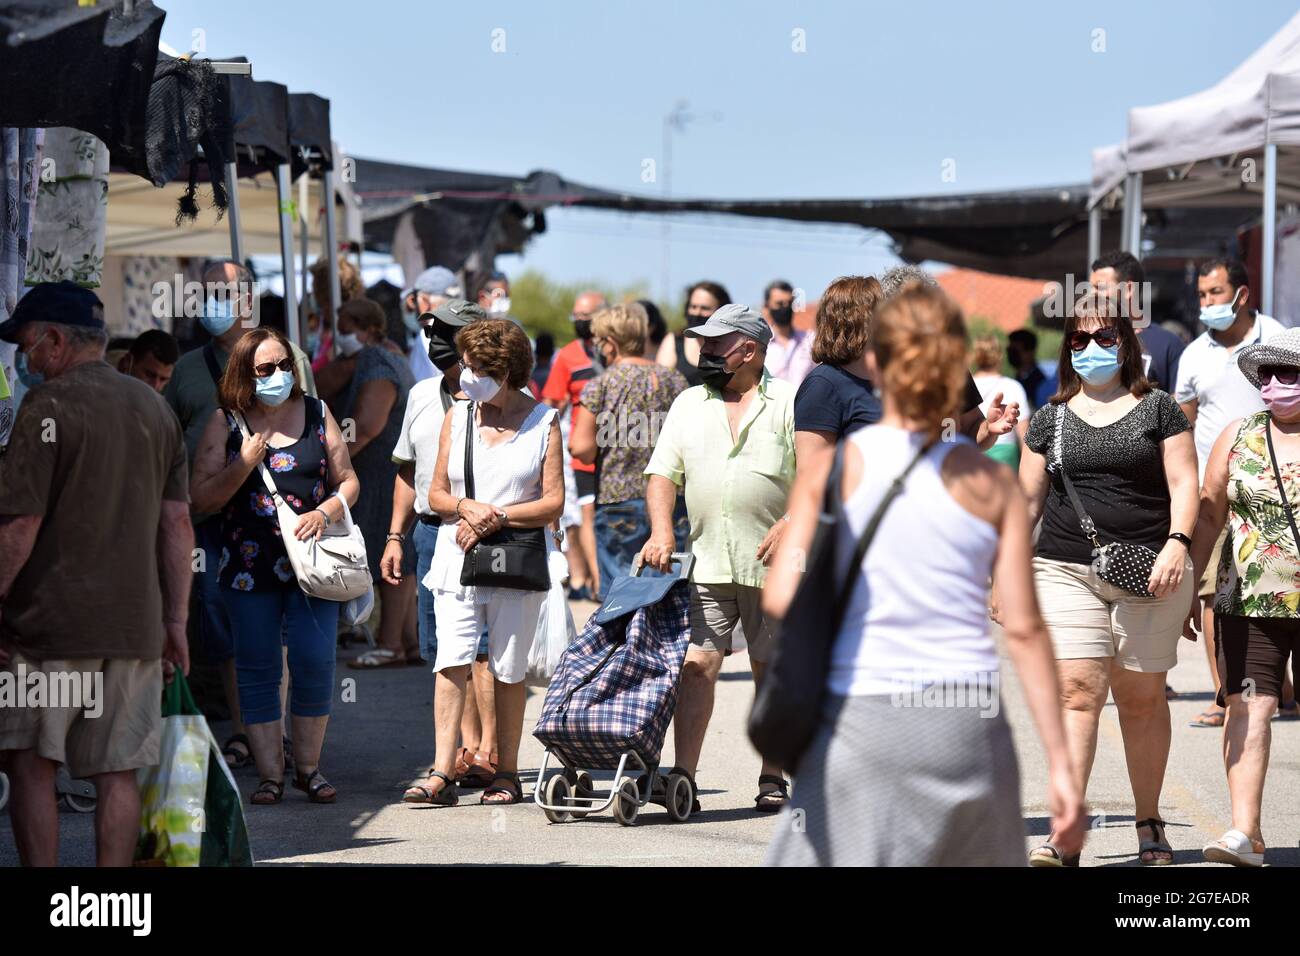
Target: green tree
pixel 546 306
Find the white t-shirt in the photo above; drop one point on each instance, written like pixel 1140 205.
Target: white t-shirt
pixel 1012 391
pixel 1208 373
pixel 418 441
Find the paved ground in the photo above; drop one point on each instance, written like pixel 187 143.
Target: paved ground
pixel 379 743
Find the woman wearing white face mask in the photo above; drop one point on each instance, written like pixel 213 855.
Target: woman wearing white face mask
pixel 518 483
pixel 1252 482
pixel 374 400
pixel 1112 454
pixel 300 443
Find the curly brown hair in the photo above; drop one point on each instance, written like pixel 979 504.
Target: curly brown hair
pixel 919 342
pixel 497 348
pixel 350 284
pixel 238 387
pixel 844 320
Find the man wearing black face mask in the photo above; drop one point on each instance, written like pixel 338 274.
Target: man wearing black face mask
pixel 730 443
pixel 789 354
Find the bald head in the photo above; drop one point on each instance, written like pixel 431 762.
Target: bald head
pixel 587 303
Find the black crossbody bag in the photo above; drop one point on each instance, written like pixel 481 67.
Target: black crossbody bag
pixel 1120 563
pixel 509 558
pixel 788 706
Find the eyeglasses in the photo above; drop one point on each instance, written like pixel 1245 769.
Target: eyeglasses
pixel 1283 374
pixel 1106 337
pixel 266 368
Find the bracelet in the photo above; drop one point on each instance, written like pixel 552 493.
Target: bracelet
pixel 1179 536
pixel 395 536
pixel 458 501
pixel 322 513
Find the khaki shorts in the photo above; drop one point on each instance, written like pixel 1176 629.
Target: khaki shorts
pixel 1209 580
pixel 717 610
pixel 112 724
pixel 1089 618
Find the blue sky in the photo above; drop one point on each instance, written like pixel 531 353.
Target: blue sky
pixel 878 99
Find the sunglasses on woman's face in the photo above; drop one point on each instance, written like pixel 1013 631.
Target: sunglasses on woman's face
pixel 1107 338
pixel 266 368
pixel 1283 374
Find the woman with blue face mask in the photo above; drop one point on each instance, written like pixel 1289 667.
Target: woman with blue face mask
pixel 298 440
pixel 1128 452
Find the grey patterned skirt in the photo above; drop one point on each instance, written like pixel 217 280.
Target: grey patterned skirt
pixel 887 785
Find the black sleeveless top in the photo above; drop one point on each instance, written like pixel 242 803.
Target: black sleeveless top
pixel 252 556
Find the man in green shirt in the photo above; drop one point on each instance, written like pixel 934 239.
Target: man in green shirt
pixel 730 442
pixel 228 314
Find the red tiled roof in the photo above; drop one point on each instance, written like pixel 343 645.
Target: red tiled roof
pixel 1003 300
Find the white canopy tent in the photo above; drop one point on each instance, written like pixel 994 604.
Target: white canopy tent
pixel 1231 145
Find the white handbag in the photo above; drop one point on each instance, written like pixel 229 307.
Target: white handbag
pixel 333 566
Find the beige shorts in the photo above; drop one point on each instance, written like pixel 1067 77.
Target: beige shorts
pixel 97 715
pixel 1209 580
pixel 717 610
pixel 1089 618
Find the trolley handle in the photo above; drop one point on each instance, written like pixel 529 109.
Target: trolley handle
pixel 685 559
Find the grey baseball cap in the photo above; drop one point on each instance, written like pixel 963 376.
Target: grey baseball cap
pixel 734 317
pixel 437 280
pixel 456 313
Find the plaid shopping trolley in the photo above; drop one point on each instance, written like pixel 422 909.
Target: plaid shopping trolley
pixel 611 699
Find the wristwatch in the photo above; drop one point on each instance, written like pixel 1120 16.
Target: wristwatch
pixel 1179 536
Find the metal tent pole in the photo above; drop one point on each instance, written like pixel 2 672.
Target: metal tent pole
pixel 331 251
pixel 1135 214
pixel 1094 236
pixel 1270 228
pixel 303 195
pixel 232 212
pixel 286 254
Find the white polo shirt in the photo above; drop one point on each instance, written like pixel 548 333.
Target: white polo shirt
pixel 1209 374
pixel 418 441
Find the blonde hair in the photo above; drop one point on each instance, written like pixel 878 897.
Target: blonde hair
pixel 350 284
pixel 986 353
pixel 919 340
pixel 627 326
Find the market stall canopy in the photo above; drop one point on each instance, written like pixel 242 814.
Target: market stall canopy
pixel 142 219
pixel 88 67
pixel 1193 150
pixel 309 133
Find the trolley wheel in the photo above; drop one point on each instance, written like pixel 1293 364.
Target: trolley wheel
pixel 557 793
pixel 77 803
pixel 4 790
pixel 677 797
pixel 584 787
pixel 627 801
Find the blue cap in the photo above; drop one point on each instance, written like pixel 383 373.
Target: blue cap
pixel 437 280
pixel 63 302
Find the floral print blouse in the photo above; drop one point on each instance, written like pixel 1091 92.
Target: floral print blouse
pixel 1259 570
pixel 252 556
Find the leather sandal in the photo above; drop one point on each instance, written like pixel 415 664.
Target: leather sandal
pixel 513 794
pixel 481 771
pixel 317 788
pixel 1158 845
pixel 771 801
pixel 446 796
pixel 1048 855
pixel 268 792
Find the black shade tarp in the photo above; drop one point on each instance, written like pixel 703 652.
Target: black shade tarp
pixel 90 68
pixel 259 111
pixel 309 130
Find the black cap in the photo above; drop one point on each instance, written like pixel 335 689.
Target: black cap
pixel 455 314
pixel 63 302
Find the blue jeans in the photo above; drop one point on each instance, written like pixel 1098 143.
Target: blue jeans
pixel 622 530
pixel 265 621
pixel 212 631
pixel 425 538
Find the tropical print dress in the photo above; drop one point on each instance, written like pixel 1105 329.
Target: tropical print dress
pixel 252 555
pixel 1259 570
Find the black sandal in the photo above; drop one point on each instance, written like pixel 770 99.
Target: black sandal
pixel 514 796
pixel 1158 845
pixel 241 760
pixel 272 790
pixel 448 796
pixel 314 785
pixel 771 801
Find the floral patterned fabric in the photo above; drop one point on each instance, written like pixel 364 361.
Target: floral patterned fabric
pixel 1259 570
pixel 71 211
pixel 252 556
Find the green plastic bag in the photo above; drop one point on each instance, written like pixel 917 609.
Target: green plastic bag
pixel 190 810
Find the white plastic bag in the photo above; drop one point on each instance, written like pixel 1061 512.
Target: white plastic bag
pixel 555 629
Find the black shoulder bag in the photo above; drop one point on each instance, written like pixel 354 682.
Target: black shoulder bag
pixel 1281 488
pixel 1120 563
pixel 509 558
pixel 788 707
